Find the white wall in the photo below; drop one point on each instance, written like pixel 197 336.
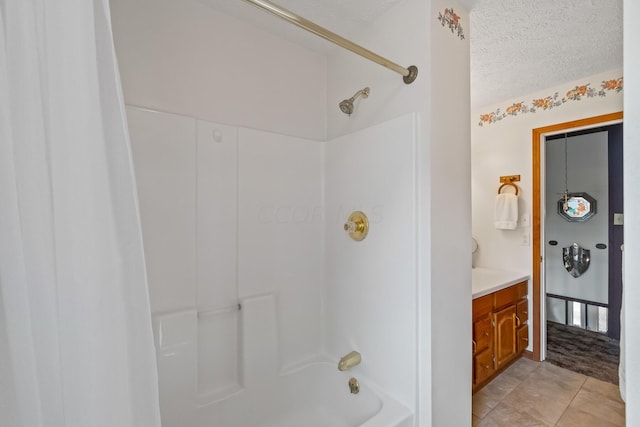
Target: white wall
pixel 504 148
pixel 587 171
pixel 410 34
pixel 187 58
pixel 8 403
pixel 371 285
pixel 450 223
pixel 632 207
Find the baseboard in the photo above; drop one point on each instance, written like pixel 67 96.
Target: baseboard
pixel 528 355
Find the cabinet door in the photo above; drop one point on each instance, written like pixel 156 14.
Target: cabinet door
pixel 522 312
pixel 505 335
pixel 483 334
pixel 483 365
pixel 523 338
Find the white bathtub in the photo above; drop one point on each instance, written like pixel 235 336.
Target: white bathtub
pixel 316 395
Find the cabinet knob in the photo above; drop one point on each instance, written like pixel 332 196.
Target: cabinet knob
pixel 486 334
pixel 474 346
pixel 517 321
pixel 524 339
pixel 485 366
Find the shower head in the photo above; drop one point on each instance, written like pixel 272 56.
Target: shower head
pixel 346 106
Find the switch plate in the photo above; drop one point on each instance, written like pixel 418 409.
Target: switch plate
pixel 618 219
pixel 524 239
pixel 524 220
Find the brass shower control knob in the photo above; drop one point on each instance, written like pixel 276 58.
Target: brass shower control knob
pixel 357 226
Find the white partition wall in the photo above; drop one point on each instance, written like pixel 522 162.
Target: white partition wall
pixel 632 229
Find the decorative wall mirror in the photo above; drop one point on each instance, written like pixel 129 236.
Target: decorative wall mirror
pixel 577 206
pixel 574 206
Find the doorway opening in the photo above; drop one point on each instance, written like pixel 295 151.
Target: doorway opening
pixel 539 136
pixel 582 237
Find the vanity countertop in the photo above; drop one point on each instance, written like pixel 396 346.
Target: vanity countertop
pixel 488 280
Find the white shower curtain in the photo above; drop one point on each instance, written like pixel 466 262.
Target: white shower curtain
pixel 75 328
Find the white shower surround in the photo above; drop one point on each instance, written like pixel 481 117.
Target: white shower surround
pixel 188 58
pixel 307 291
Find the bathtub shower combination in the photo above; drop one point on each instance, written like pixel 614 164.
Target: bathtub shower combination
pixel 256 286
pixel 313 394
pixel 316 395
pixel 258 249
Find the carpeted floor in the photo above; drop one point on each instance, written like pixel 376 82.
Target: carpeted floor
pixel 586 352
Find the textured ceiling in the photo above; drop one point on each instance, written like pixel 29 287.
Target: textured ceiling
pixel 517 46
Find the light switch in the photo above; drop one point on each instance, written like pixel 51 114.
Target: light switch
pixel 618 219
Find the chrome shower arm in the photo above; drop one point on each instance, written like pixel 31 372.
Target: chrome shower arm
pixel 364 92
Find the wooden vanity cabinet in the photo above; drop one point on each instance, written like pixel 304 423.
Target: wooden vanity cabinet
pixel 483 365
pixel 483 346
pixel 505 324
pixel 522 317
pixel 500 331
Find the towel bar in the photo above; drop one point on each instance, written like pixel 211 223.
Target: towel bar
pixel 508 180
pixel 508 183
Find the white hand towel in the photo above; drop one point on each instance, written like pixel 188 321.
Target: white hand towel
pixel 506 217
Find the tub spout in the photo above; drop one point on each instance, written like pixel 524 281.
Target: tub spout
pixel 349 361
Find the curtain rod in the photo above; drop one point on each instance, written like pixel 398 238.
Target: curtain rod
pixel 408 74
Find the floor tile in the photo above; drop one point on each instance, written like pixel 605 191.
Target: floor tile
pixel 522 368
pixel 540 406
pixel 599 406
pixel 541 394
pixel 559 383
pixel 609 390
pixel 573 417
pixel 546 393
pixel 490 395
pixel 505 416
pixel 483 403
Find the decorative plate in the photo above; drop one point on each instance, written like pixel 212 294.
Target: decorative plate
pixel 578 207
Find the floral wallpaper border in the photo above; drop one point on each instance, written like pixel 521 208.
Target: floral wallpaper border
pixel 451 20
pixel 576 94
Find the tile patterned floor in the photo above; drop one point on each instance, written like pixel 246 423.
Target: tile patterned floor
pixel 541 394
